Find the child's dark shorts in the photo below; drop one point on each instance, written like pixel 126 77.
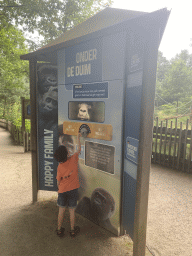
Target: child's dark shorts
pixel 68 198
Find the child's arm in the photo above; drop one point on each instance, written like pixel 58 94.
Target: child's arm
pixel 79 143
pixel 58 182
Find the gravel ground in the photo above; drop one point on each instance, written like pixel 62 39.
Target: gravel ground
pixel 28 229
pixel 169 231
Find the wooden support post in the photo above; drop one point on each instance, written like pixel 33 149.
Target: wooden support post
pixel 24 142
pixel 190 149
pixel 170 143
pixel 23 121
pixel 32 67
pixel 175 143
pixel 156 136
pixel 184 145
pixel 165 142
pixel 179 146
pixel 145 145
pixel 160 144
pixel 23 113
pixel 27 141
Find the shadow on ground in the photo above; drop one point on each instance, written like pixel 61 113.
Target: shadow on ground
pixel 30 230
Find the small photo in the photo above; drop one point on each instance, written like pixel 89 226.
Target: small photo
pixel 87 111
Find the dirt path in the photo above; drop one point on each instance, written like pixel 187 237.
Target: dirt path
pixel 27 229
pixel 170 212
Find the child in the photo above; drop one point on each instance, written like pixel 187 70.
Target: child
pixel 68 184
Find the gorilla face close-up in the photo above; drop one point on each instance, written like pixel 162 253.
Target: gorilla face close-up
pixel 67 141
pixel 47 77
pixel 83 113
pixel 102 204
pixel 49 102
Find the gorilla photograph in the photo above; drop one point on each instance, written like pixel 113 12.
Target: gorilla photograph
pixel 87 111
pixel 47 97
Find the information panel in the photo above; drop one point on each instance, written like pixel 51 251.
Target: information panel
pixel 132 129
pixel 132 149
pixel 95 90
pixel 99 156
pixel 84 62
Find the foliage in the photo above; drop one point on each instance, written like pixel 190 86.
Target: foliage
pixel 13 72
pixel 49 17
pixel 14 112
pixel 185 56
pixel 18 123
pixel 177 85
pixel 163 66
pixel 174 86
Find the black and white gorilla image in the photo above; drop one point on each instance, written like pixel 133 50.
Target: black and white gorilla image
pixel 47 77
pixel 47 97
pixel 99 208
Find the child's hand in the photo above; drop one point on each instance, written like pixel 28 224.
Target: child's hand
pixel 79 143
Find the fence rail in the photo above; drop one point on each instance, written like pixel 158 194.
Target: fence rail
pixel 19 137
pixel 172 146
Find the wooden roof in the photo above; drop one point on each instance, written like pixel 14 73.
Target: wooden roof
pixel 103 19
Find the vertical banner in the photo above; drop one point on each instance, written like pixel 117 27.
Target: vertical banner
pixel 47 125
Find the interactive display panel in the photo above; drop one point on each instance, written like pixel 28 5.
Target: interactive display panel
pixel 95 106
pixel 97 131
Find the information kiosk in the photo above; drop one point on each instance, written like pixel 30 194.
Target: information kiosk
pixel 105 80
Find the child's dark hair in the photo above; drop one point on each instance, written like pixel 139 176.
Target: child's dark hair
pixel 61 154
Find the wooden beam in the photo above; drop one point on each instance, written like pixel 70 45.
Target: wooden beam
pixel 145 143
pixel 33 93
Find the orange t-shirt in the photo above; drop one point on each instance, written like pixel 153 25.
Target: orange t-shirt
pixel 70 167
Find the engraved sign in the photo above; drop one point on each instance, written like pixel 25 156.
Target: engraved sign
pixel 99 156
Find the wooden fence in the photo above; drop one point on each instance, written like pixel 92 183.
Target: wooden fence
pixel 172 146
pixel 19 137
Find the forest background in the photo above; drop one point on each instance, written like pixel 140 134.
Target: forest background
pixel 27 25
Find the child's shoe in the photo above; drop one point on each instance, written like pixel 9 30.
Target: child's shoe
pixel 60 232
pixel 74 232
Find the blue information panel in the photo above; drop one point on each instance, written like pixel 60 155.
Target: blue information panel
pixel 132 130
pixel 95 90
pixel 132 149
pixel 84 62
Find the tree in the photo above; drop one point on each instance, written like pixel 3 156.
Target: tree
pixel 49 17
pixel 185 56
pixel 177 85
pixel 174 85
pixel 163 66
pixel 13 71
